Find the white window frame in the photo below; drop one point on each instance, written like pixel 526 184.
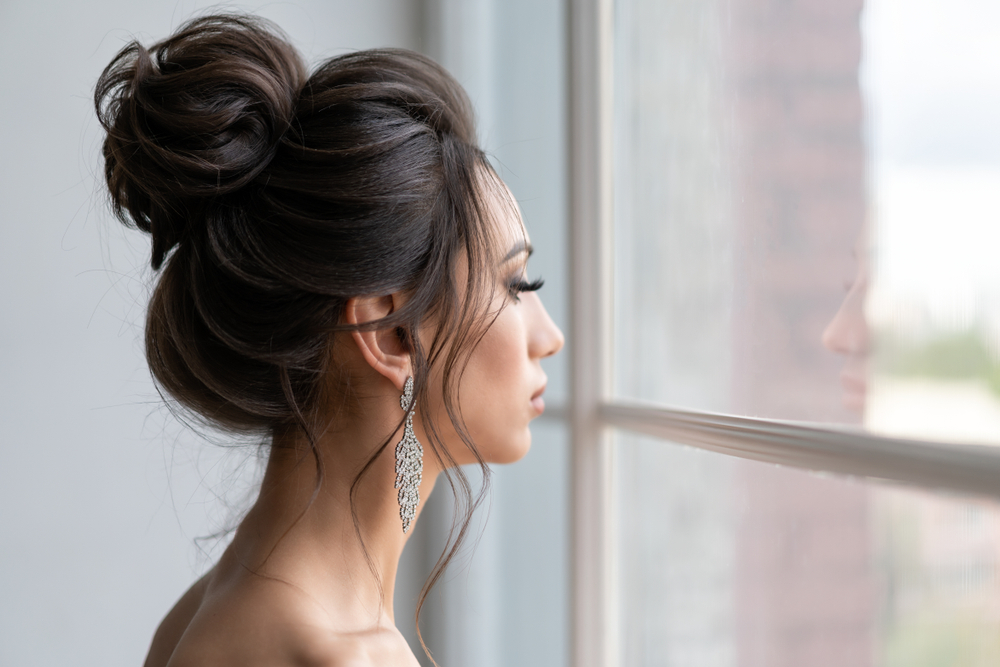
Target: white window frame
pixel 593 412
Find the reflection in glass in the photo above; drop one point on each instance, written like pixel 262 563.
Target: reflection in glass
pixel 724 562
pixel 848 332
pixel 739 194
pixel 807 211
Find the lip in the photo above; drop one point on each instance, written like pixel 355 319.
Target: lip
pixel 537 402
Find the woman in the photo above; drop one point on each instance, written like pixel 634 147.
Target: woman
pixel 343 273
pixel 848 332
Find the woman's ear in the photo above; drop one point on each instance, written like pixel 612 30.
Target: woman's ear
pixel 384 349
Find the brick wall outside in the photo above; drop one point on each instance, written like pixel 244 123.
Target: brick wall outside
pixel 804 588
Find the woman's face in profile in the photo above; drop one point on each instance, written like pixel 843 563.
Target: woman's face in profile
pixel 848 334
pixel 500 391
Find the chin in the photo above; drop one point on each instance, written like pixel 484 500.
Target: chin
pixel 855 394
pixel 513 449
pixel 854 402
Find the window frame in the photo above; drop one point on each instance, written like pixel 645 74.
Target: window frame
pixel 593 412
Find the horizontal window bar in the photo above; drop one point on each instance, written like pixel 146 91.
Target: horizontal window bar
pixel 821 447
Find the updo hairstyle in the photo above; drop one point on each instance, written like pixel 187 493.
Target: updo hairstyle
pixel 272 196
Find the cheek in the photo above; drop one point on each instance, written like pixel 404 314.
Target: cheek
pixel 496 390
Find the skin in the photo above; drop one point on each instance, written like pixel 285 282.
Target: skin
pixel 294 588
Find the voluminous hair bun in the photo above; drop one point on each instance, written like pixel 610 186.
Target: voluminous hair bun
pixel 273 199
pixel 192 119
pixel 273 196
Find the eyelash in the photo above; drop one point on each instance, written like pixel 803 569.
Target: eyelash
pixel 516 287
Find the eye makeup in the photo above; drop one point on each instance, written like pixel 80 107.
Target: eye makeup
pixel 520 285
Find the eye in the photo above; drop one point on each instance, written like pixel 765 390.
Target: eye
pixel 519 285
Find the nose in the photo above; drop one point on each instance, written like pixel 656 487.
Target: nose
pixel 847 332
pixel 544 337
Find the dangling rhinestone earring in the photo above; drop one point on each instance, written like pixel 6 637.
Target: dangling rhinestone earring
pixel 409 462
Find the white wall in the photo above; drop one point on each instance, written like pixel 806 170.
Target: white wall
pixel 101 493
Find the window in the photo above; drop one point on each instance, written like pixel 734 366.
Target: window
pixel 783 230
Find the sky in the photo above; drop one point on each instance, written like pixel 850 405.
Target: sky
pixel 931 79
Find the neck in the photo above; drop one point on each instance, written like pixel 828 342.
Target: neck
pixel 313 538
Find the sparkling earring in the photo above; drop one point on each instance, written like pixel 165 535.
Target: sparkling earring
pixel 409 462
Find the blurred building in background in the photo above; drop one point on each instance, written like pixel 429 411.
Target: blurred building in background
pixel 805 589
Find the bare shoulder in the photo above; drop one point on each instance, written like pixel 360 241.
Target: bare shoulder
pixel 259 621
pixel 174 624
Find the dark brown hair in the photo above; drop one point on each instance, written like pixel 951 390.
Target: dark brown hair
pixel 273 196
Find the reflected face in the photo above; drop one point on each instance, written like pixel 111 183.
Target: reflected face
pixel 848 333
pixel 502 387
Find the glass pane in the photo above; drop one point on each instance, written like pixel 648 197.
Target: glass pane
pixel 725 562
pixel 807 211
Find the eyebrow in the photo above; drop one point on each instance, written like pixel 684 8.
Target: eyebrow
pixel 518 248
